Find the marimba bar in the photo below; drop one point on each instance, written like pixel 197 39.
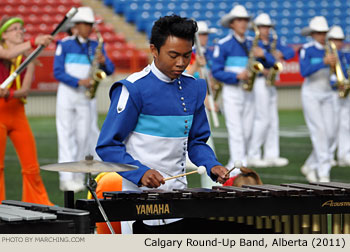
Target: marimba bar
pixel 17 217
pixel 287 208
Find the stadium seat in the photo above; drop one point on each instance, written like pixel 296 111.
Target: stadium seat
pixel 108 2
pixel 290 16
pixel 112 37
pixel 118 6
pixel 131 11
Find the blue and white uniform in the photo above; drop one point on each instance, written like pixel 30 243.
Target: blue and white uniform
pixel 266 123
pixel 342 117
pixel 76 115
pixel 151 123
pixel 317 99
pixel 230 58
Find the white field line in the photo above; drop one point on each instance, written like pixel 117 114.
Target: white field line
pixel 300 132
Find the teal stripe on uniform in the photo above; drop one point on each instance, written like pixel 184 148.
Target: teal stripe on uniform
pixel 77 59
pixel 316 60
pixel 164 126
pixel 237 61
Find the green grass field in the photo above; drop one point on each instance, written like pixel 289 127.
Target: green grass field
pixel 294 141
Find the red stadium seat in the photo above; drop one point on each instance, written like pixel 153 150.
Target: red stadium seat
pixel 105 28
pixel 32 19
pixel 62 9
pixel 30 28
pixel 114 46
pixel 113 37
pixel 8 11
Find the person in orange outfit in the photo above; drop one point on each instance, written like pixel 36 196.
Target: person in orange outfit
pixel 13 121
pixel 107 182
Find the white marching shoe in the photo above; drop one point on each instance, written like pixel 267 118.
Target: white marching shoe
pixel 333 163
pixel 257 163
pixel 277 162
pixel 325 179
pixel 344 162
pixel 305 169
pixel 311 175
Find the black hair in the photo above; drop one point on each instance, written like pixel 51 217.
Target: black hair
pixel 172 26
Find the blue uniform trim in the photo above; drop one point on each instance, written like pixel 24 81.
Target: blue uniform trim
pixel 164 126
pixel 77 58
pixel 240 61
pixel 316 60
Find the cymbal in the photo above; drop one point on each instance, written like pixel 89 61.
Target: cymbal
pixel 88 166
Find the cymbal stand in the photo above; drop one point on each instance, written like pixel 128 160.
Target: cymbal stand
pixel 91 185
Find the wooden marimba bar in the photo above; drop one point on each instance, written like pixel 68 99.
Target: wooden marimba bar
pixel 287 208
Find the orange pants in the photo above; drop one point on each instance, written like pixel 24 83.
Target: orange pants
pixel 14 123
pixel 107 182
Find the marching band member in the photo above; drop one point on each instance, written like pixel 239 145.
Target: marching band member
pixel 13 120
pixel 266 124
pixel 75 112
pixel 230 67
pixel 158 114
pixel 341 105
pixel 317 99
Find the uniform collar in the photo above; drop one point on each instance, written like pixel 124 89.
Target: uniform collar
pixel 81 39
pixel 159 74
pixel 239 39
pixel 318 45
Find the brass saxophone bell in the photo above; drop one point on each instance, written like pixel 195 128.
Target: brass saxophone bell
pixel 342 82
pixel 254 67
pixel 271 77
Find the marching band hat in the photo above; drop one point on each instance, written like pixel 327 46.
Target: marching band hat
pixel 317 24
pixel 84 15
pixel 204 29
pixel 336 32
pixel 263 20
pixel 237 12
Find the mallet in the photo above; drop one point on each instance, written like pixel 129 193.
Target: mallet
pixel 237 164
pixel 200 170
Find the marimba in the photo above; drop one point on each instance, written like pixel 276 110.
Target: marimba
pixel 287 208
pixel 17 217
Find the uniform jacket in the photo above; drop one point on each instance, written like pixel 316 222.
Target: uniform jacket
pixel 153 121
pixel 312 67
pixel 71 62
pixel 231 58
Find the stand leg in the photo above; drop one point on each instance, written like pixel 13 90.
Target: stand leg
pixel 69 199
pixel 91 185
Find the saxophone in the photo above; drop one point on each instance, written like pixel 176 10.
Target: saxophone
pixel 254 67
pixel 346 86
pixel 96 74
pixel 277 67
pixel 342 83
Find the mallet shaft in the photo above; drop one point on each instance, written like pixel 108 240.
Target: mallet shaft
pixel 181 175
